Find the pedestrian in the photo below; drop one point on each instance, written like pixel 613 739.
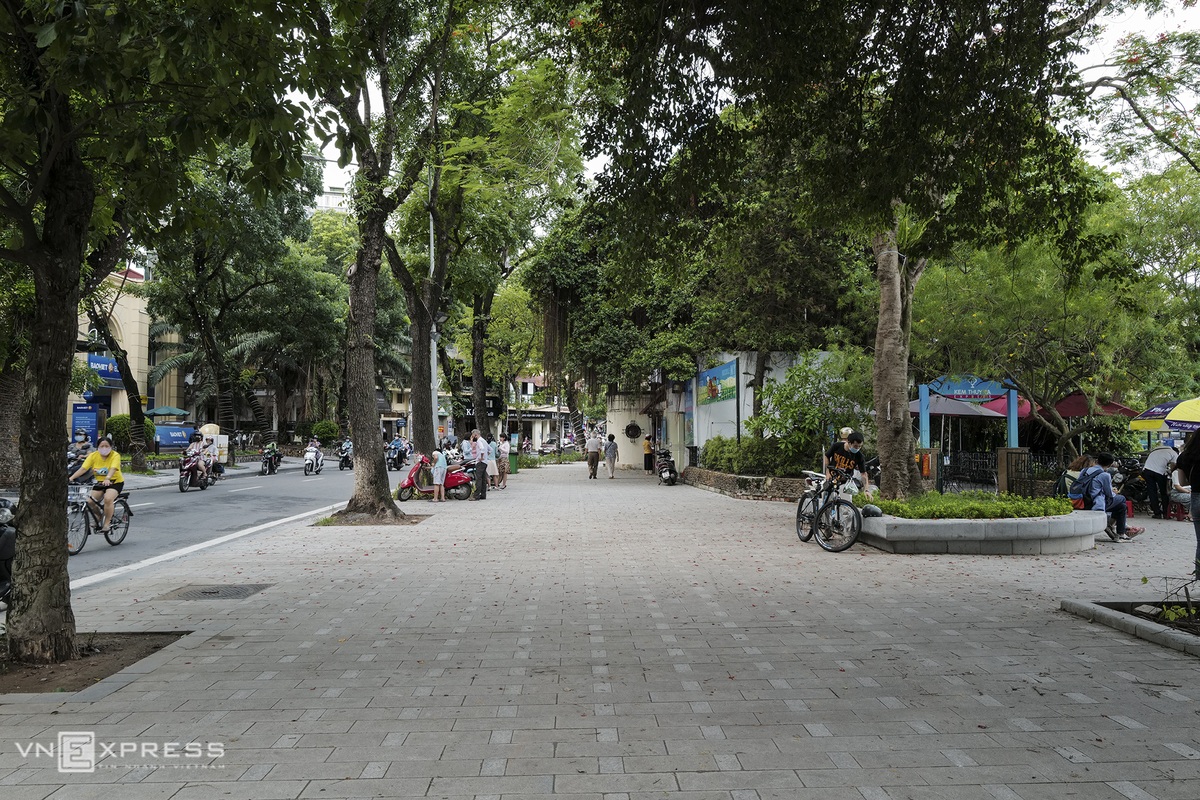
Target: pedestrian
pixel 493 469
pixel 611 456
pixel 648 455
pixel 502 462
pixel 592 448
pixel 1158 466
pixel 479 454
pixel 1186 466
pixel 1094 485
pixel 439 477
pixel 847 455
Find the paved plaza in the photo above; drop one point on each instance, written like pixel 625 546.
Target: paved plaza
pixel 618 640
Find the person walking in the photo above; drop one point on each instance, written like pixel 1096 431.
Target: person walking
pixel 440 466
pixel 648 455
pixel 1186 466
pixel 479 453
pixel 611 456
pixel 592 448
pixel 1158 467
pixel 502 462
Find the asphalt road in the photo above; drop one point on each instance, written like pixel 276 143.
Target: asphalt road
pixel 166 519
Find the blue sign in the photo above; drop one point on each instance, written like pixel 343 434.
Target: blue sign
pixel 84 416
pixel 718 384
pixel 106 368
pixel 969 388
pixel 172 436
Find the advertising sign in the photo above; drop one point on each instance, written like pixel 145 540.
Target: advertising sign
pixel 83 416
pixel 106 368
pixel 172 436
pixel 719 383
pixel 968 388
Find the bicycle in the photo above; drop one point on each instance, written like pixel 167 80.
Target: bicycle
pixel 826 513
pixel 83 513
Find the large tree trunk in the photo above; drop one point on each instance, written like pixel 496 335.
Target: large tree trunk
pixel 41 624
pixel 421 420
pixel 897 281
pixel 372 491
pixel 12 386
pixel 479 323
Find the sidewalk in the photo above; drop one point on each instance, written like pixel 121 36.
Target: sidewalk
pixel 618 640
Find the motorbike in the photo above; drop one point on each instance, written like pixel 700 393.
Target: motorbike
pixel 270 462
pixel 395 456
pixel 8 550
pixel 313 461
pixel 345 458
pixel 190 474
pixel 664 467
pixel 420 480
pixel 1127 479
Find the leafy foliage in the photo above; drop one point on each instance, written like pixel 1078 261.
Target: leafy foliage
pixel 118 427
pixel 326 432
pixel 753 456
pixel 970 505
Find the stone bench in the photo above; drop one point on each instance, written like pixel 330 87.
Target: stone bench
pixel 1064 533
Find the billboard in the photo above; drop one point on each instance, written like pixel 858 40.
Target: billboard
pixel 718 384
pixel 968 388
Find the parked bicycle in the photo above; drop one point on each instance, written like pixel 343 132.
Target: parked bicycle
pixel 826 510
pixel 83 514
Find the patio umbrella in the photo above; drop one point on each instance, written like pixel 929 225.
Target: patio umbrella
pixel 940 406
pixel 1075 405
pixel 166 411
pixel 1000 405
pixel 1177 415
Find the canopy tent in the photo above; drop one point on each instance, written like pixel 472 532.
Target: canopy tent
pixel 1176 415
pixel 1001 406
pixel 940 406
pixel 166 411
pixel 1076 405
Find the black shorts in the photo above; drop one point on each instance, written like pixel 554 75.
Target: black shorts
pixel 120 487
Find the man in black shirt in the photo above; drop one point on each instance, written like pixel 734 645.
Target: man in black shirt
pixel 848 456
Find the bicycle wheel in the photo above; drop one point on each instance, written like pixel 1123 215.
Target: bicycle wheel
pixel 805 511
pixel 77 529
pixel 118 526
pixel 837 525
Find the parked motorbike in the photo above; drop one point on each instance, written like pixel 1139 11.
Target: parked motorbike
pixel 313 460
pixel 420 480
pixel 270 462
pixel 1127 479
pixel 8 550
pixel 664 467
pixel 346 457
pixel 190 474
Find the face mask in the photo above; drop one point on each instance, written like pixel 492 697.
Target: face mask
pixel 79 438
pixel 854 449
pixel 104 451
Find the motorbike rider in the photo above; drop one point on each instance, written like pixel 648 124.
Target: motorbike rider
pixel 196 447
pixel 346 448
pixel 105 462
pixel 316 444
pixel 272 450
pixel 212 455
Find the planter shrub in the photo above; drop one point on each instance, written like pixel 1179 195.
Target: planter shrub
pixel 971 505
pixel 752 456
pixel 118 428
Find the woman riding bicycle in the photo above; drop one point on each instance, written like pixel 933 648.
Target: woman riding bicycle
pixel 105 463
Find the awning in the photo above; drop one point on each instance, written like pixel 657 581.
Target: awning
pixel 946 407
pixel 1001 406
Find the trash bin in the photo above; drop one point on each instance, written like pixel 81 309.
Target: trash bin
pixel 512 462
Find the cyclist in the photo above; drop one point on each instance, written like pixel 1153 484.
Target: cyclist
pixel 105 463
pixel 847 455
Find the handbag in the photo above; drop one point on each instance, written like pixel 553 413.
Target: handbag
pixel 492 468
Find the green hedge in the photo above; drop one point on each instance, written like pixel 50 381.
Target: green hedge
pixel 754 456
pixel 303 431
pixel 971 505
pixel 527 461
pixel 326 432
pixel 118 428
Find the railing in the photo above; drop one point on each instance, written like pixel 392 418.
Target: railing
pixel 965 471
pixel 1032 474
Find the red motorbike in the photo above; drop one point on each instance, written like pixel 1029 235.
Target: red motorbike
pixel 420 479
pixel 190 476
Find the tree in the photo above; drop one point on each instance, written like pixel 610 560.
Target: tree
pixel 1020 314
pixel 513 339
pixel 99 106
pixel 916 121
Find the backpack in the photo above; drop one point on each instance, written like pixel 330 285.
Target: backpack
pixel 1080 492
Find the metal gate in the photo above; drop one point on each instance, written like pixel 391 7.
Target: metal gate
pixel 1032 474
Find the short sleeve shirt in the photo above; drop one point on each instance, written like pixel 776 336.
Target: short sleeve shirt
pixel 105 468
pixel 840 456
pixel 592 445
pixel 610 449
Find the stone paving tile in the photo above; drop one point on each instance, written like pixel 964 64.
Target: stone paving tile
pixel 627 642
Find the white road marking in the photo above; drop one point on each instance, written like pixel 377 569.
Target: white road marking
pixel 310 480
pixel 244 488
pixel 139 505
pixel 112 573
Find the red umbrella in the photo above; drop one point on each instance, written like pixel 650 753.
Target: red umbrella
pixel 1076 405
pixel 1001 405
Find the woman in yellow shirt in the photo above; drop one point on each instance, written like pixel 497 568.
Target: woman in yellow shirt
pixel 648 456
pixel 106 464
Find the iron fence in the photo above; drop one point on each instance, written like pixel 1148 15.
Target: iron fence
pixel 1033 474
pixel 964 471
